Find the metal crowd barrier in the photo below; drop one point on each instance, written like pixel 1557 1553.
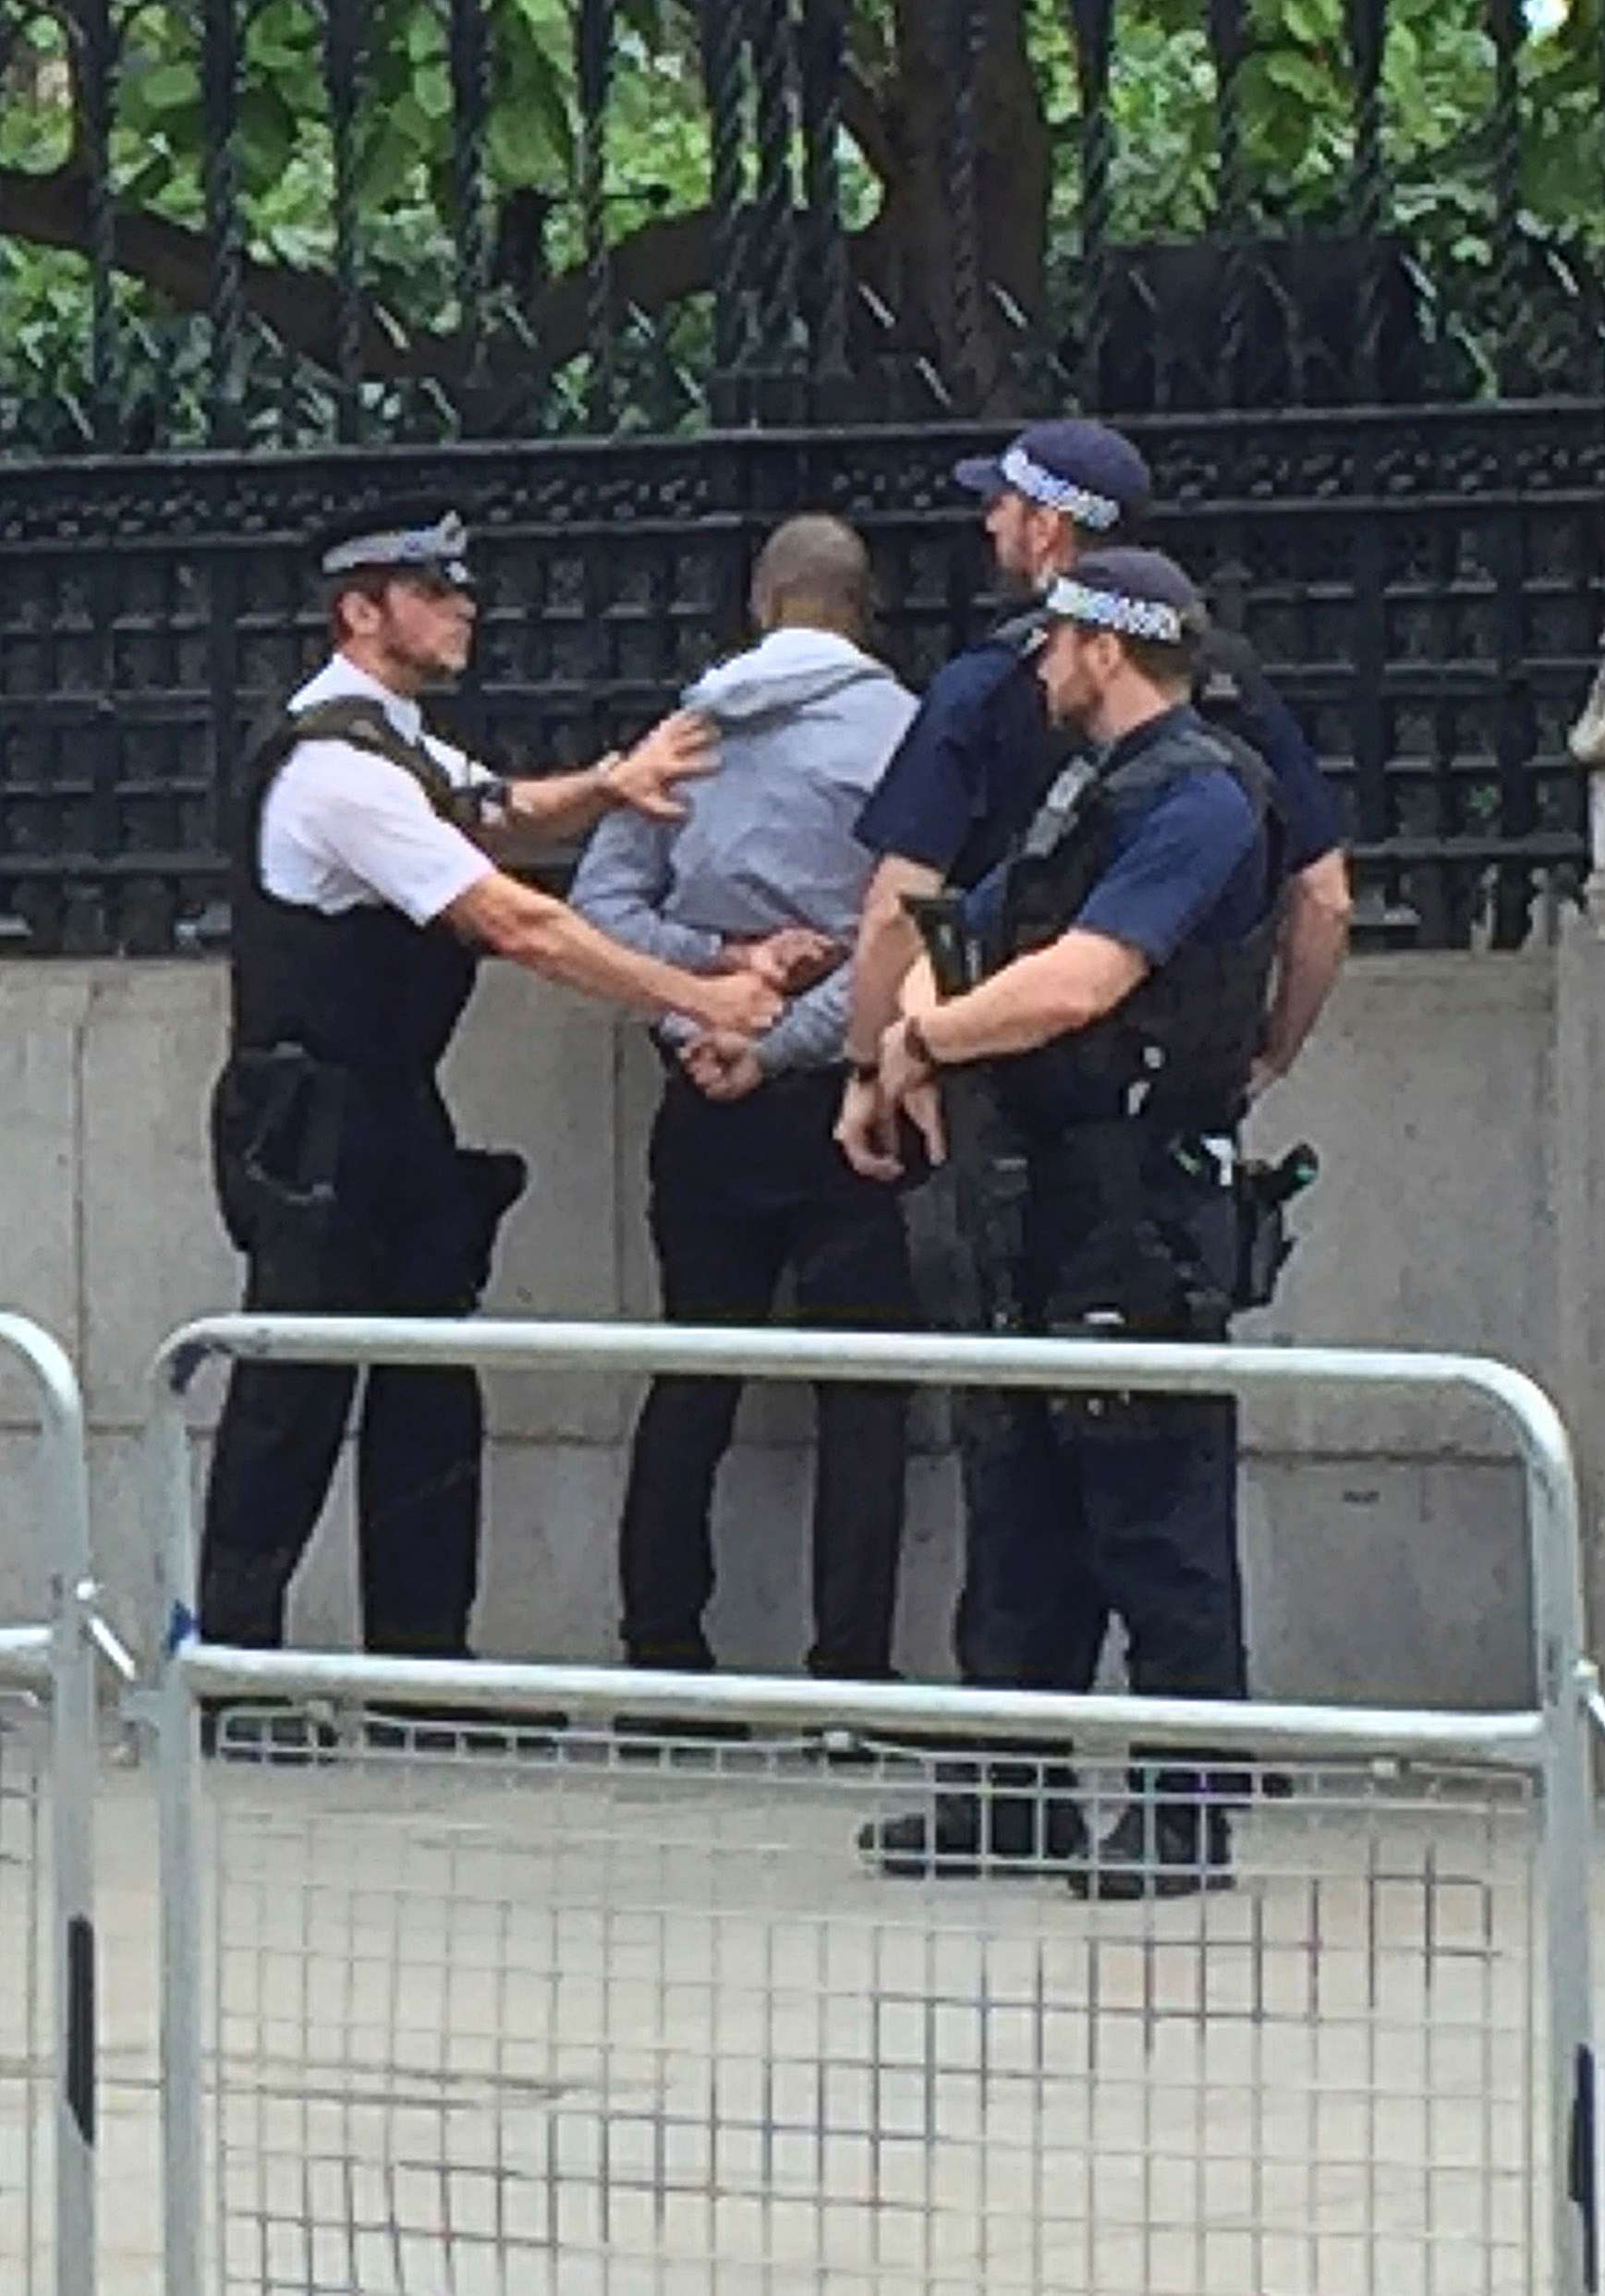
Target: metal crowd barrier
pixel 47 1938
pixel 494 2004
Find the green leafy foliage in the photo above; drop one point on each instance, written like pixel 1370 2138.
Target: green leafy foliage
pixel 1295 103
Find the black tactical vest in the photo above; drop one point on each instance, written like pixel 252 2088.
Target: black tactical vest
pixel 1179 1050
pixel 367 989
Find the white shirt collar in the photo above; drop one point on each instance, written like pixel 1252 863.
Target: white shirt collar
pixel 341 680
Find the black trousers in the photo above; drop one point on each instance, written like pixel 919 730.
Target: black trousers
pixel 1072 1522
pixel 399 1241
pixel 740 1195
pixel 1076 1514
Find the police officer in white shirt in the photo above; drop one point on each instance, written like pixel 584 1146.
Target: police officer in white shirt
pixel 365 894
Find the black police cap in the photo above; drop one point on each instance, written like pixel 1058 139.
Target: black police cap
pixel 1091 473
pixel 1137 593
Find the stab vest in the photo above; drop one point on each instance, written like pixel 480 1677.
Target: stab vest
pixel 366 989
pixel 1178 1051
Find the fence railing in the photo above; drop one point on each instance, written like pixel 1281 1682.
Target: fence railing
pixel 47 1793
pixel 429 220
pixel 326 2157
pixel 1427 591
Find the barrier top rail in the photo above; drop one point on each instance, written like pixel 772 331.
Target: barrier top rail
pixel 935 1360
pixel 63 1455
pixel 926 1359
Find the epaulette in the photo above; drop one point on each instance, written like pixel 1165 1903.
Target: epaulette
pixel 1023 634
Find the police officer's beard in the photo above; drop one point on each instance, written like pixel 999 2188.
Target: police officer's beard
pixel 410 669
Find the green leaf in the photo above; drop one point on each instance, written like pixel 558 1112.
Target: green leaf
pixel 164 88
pixel 431 93
pixel 1300 77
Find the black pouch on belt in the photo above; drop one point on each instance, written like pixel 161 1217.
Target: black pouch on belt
pixel 277 1120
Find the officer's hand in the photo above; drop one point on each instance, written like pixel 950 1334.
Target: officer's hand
pixel 922 1106
pixel 1261 1077
pixel 901 1074
pixel 909 1089
pixel 867 1133
pixel 681 749
pixel 738 1002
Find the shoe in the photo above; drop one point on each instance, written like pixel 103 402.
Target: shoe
pixel 283 1735
pixel 966 1834
pixel 1159 1849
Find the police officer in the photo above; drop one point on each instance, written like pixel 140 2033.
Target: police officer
pixel 981 752
pixel 1128 949
pixel 364 896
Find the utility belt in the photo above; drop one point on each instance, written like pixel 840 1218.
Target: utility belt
pixel 1120 1229
pixel 1128 1226
pixel 1154 1233
pixel 282 1127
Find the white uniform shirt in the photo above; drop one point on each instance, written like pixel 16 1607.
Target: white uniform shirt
pixel 342 828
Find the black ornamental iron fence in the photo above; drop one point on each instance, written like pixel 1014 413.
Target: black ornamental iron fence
pixel 290 223
pixel 1426 594
pixel 1337 263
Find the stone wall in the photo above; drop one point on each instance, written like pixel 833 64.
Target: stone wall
pixel 1454 1099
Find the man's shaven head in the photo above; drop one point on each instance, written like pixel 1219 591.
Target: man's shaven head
pixel 813 574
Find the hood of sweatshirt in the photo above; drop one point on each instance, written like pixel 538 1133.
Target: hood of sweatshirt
pixel 790 671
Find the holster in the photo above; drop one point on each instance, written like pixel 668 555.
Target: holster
pixel 492 1181
pixel 277 1120
pixel 280 1121
pixel 1265 1241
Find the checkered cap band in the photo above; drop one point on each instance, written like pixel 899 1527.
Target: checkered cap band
pixel 1027 476
pixel 443 544
pixel 1069 600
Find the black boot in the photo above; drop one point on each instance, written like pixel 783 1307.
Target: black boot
pixel 1160 1849
pixel 1026 1820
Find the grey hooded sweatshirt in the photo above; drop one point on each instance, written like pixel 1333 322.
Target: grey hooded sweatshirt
pixel 808 725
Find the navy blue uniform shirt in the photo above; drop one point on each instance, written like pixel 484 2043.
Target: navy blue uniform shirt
pixel 980 756
pixel 1233 693
pixel 973 768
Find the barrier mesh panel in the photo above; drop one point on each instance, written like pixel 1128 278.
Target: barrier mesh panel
pixel 586 2016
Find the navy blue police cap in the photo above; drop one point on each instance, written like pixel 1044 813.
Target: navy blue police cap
pixel 428 542
pixel 1136 593
pixel 1091 473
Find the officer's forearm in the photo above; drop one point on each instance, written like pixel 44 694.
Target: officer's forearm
pixel 888 948
pixel 530 928
pixel 1314 939
pixel 1050 993
pixel 559 805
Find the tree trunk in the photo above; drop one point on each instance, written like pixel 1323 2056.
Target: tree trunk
pixel 940 269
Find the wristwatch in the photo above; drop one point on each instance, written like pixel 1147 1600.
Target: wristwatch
pixel 865 1072
pixel 919 1044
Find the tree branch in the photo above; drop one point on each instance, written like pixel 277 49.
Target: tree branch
pixel 666 260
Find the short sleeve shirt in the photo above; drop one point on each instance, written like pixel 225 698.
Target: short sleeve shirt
pixel 1233 693
pixel 971 770
pixel 1190 866
pixel 342 829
